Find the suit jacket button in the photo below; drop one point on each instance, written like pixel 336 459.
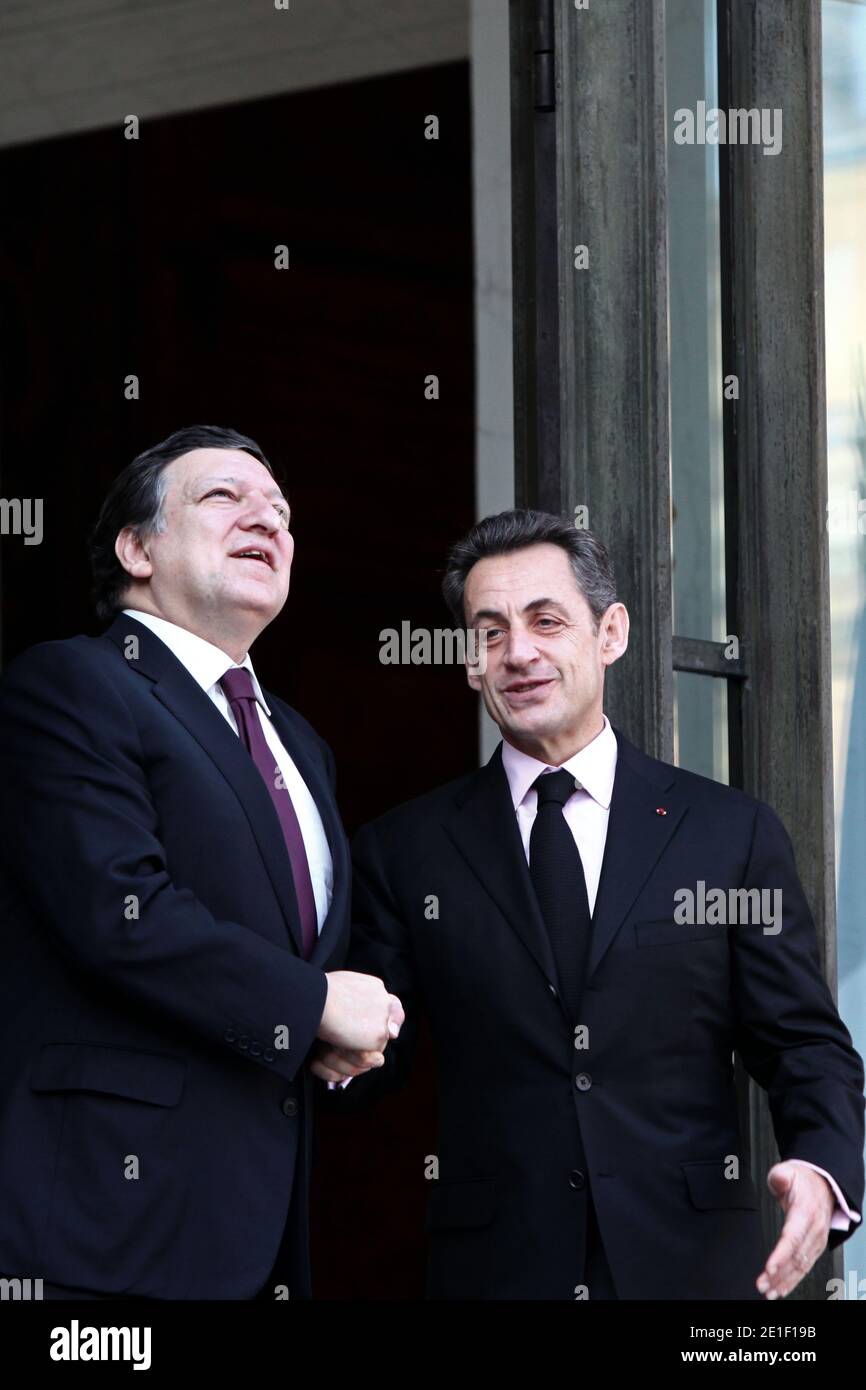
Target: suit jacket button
pixel 583 1081
pixel 269 1054
pixel 290 1106
pixel 577 1180
pixel 255 1049
pixel 244 1042
pixel 230 1035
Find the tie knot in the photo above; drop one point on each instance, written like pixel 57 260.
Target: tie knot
pixel 238 683
pixel 555 787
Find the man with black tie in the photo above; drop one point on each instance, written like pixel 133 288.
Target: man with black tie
pixel 583 1017
pixel 175 885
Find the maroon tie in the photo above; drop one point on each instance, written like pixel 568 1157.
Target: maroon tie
pixel 238 686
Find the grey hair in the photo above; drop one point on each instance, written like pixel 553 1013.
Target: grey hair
pixel 156 524
pixel 516 530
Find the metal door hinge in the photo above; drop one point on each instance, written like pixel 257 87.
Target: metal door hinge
pixel 543 58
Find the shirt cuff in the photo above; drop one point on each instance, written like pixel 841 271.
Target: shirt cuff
pixel 333 1085
pixel 843 1216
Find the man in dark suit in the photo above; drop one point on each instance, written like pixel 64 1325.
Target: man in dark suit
pixel 573 919
pixel 175 885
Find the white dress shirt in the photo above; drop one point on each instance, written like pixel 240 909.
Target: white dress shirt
pixel 207 665
pixel 587 813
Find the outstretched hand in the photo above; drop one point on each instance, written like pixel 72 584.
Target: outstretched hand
pixel 808 1202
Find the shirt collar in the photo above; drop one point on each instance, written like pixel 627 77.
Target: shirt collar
pixel 206 663
pixel 594 767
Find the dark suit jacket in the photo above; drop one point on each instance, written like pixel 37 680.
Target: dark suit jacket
pixel 150 951
pixel 445 912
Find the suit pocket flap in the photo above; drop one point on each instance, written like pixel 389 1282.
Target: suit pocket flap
pixel 116 1071
pixel 467 1203
pixel 668 933
pixel 708 1186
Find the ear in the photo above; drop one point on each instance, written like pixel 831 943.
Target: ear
pixel 614 632
pixel 132 554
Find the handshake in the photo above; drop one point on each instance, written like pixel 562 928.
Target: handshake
pixel 359 1020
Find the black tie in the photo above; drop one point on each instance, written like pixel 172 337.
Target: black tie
pixel 560 886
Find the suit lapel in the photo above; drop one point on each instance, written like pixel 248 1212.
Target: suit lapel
pixel 484 829
pixel 175 688
pixel 636 836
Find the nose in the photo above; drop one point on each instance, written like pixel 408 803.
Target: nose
pixel 259 511
pixel 521 649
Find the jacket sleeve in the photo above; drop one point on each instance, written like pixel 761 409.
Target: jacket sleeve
pixel 81 839
pixel 788 1031
pixel 380 945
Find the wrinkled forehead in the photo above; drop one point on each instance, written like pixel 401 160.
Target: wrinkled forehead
pixel 520 581
pixel 190 472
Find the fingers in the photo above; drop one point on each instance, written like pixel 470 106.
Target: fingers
pixel 360 1061
pixel 339 1063
pixel 807 1200
pixel 319 1069
pixel 798 1247
pixel 396 1016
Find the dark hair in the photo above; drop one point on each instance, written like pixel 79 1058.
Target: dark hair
pixel 515 530
pixel 136 499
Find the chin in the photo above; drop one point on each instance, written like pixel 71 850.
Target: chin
pixel 533 716
pixel 257 595
pixel 527 725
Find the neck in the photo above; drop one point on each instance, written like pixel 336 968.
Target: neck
pixel 558 748
pixel 235 641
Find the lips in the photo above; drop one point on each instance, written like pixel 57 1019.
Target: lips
pixel 522 691
pixel 255 554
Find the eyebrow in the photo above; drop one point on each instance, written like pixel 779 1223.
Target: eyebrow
pixel 530 607
pixel 238 482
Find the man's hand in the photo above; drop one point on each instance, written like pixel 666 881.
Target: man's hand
pixel 359 1015
pixel 334 1064
pixel 808 1202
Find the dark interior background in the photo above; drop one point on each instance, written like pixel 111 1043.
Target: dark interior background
pixel 156 257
